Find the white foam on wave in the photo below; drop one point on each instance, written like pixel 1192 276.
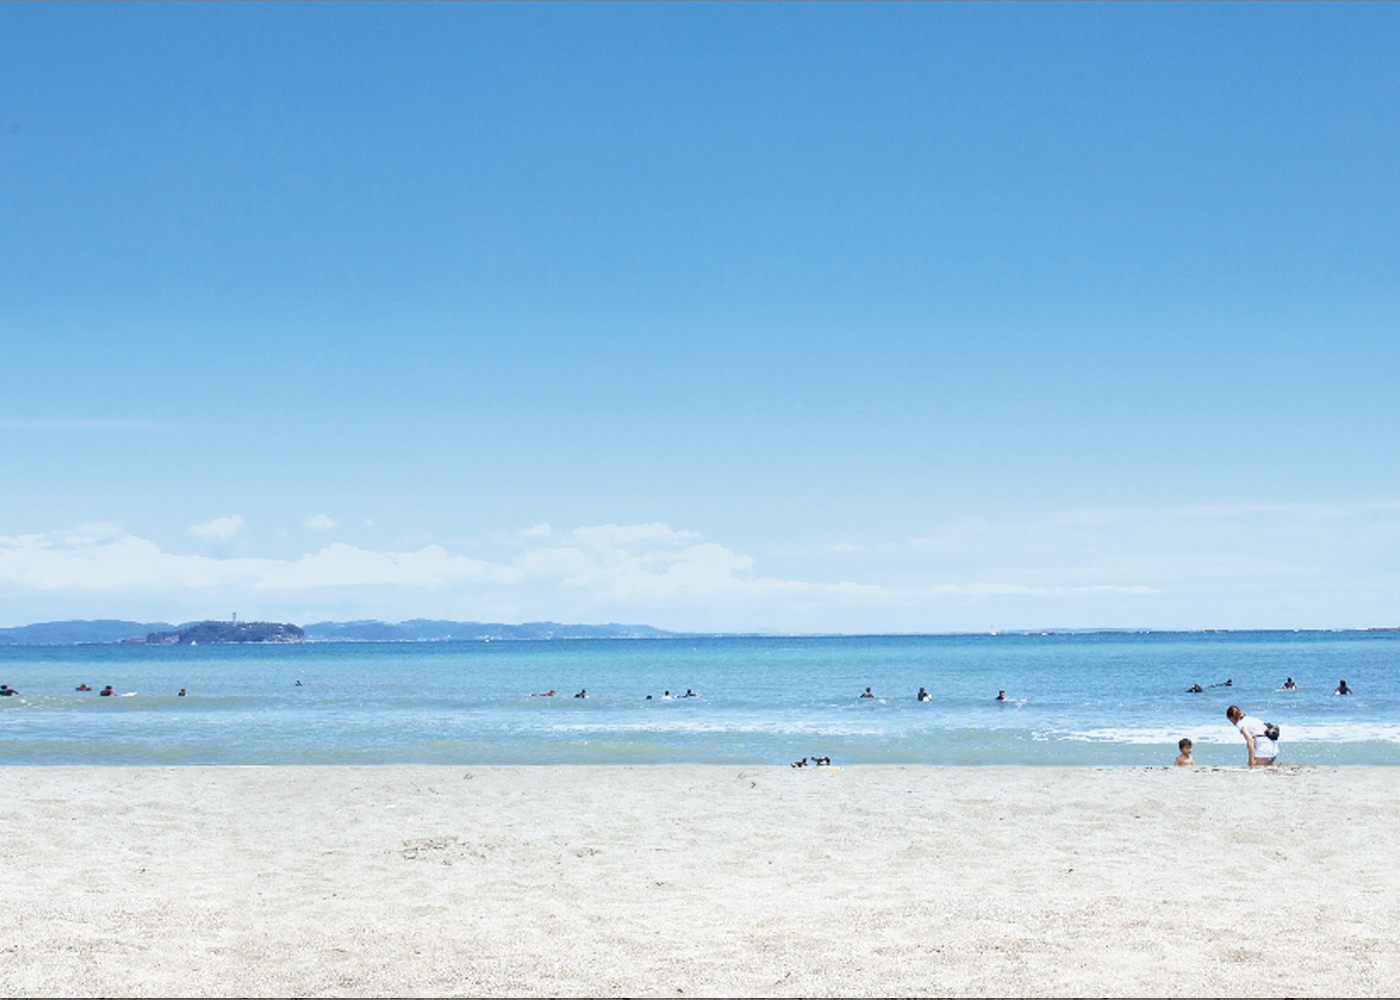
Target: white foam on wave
pixel 795 727
pixel 1330 732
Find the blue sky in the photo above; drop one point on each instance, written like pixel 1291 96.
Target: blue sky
pixel 812 318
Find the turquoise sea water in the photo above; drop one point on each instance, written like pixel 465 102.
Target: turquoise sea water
pixel 1110 699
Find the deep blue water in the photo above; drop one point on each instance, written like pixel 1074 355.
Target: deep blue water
pixel 1115 699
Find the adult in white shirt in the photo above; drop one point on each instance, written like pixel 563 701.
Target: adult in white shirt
pixel 1262 750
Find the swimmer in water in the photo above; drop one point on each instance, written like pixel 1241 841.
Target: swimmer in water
pixel 1342 688
pixel 689 694
pixel 867 694
pixel 923 695
pixel 107 692
pixel 1001 696
pixel 582 694
pixel 1288 685
pixel 82 687
pixel 7 692
pixel 181 694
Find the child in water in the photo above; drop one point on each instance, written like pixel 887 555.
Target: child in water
pixel 1183 759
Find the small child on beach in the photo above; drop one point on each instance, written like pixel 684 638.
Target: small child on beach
pixel 1183 759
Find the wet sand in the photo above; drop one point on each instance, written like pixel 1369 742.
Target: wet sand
pixel 699 881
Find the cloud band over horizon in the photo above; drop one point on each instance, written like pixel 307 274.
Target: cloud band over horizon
pixel 609 571
pixel 1281 565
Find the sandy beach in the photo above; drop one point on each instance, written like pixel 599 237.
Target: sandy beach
pixel 709 881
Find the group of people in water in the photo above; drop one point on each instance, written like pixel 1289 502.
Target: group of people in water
pixel 1260 738
pixel 583 693
pixel 1342 688
pixel 923 695
pixel 1288 686
pixel 6 691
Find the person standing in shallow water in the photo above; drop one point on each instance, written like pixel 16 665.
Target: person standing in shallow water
pixel 1262 749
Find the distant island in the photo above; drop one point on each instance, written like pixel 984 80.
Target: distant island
pixel 111 631
pixel 213 633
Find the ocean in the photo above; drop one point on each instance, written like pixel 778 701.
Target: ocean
pixel 1113 699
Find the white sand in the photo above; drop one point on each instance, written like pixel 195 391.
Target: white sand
pixel 699 881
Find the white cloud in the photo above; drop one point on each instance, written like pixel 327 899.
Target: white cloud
pixel 102 557
pixel 85 563
pixel 1283 566
pixel 99 530
pixel 220 527
pixel 341 565
pixel 611 535
pixel 322 522
pixel 1000 589
pixel 645 572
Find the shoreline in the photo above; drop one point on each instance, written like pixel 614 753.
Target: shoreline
pixel 699 880
pixel 1062 770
